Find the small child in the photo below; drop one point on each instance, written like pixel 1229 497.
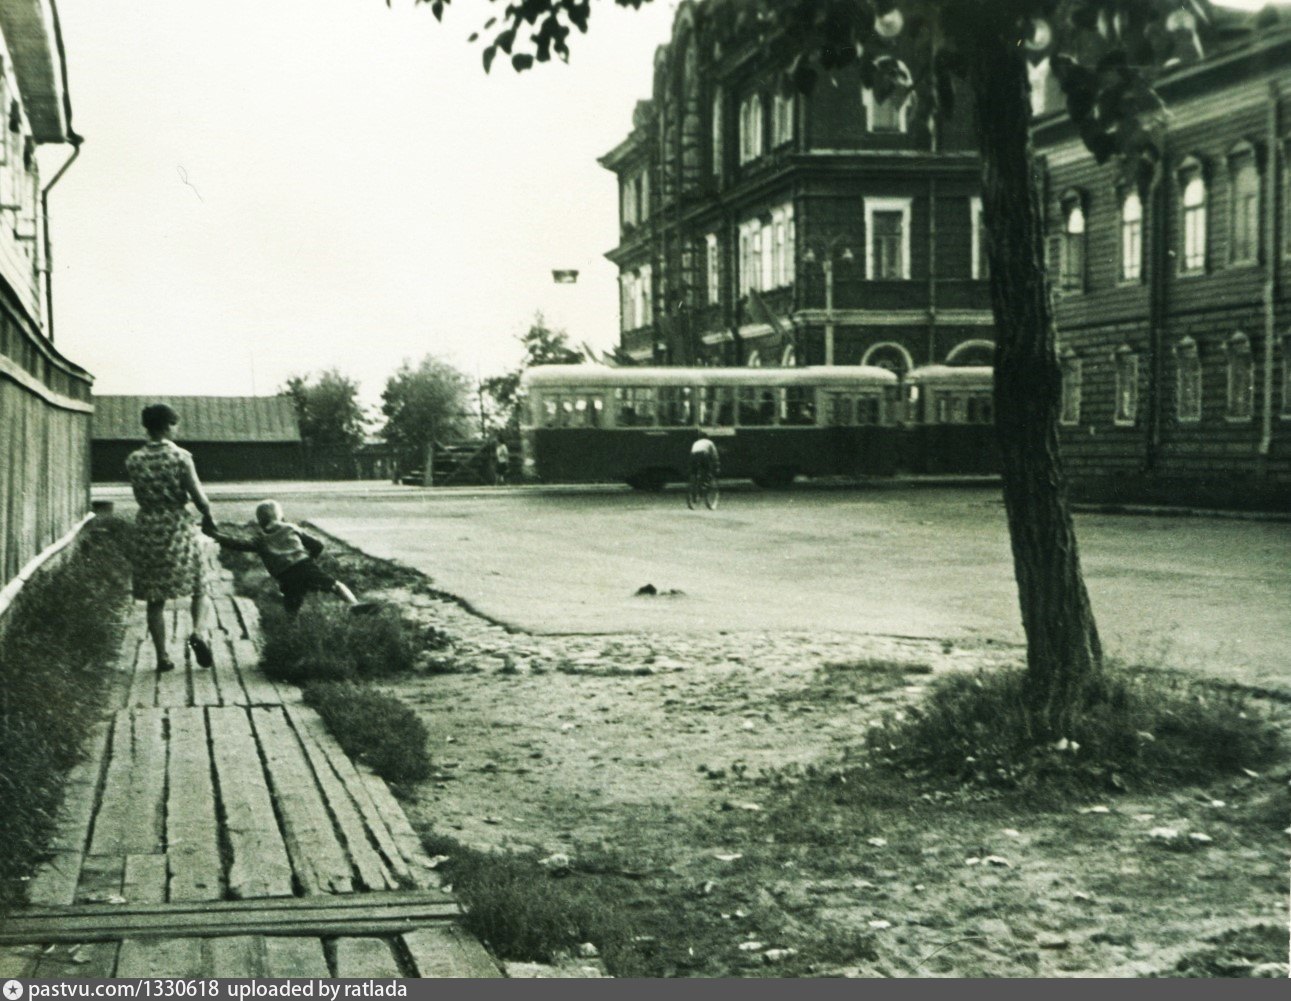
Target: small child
pixel 288 554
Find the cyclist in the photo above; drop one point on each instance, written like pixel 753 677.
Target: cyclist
pixel 704 461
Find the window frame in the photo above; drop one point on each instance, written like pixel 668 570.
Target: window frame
pixel 1193 264
pixel 980 264
pixel 1239 346
pixel 874 205
pixel 1187 368
pixel 1073 375
pixel 712 269
pixel 871 105
pixel 1128 415
pixel 1073 268
pixel 1241 158
pixel 752 146
pixel 1125 242
pixel 782 119
pixel 717 149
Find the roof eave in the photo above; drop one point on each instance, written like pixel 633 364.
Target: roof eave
pixel 34 39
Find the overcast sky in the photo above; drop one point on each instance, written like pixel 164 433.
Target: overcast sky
pixel 271 187
pixel 358 190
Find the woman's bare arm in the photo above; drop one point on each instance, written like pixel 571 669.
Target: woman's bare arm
pixel 194 487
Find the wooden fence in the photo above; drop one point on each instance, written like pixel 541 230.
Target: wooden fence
pixel 44 446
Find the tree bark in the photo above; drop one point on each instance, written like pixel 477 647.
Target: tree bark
pixel 1063 649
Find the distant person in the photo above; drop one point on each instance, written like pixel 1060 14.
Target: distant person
pixel 288 553
pixel 703 457
pixel 166 552
pixel 501 462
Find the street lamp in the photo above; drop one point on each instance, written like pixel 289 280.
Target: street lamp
pixel 831 252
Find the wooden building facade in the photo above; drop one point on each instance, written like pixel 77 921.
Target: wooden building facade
pixel 44 398
pixel 1174 296
pixel 767 228
pixel 231 437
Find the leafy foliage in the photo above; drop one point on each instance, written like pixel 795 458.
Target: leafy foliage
pixel 424 403
pixel 374 728
pixel 327 407
pixel 325 642
pixel 543 345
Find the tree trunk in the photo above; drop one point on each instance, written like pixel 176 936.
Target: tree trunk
pixel 1063 649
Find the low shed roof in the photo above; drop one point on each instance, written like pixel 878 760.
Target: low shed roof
pixel 201 418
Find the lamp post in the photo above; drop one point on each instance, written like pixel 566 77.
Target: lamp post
pixel 829 253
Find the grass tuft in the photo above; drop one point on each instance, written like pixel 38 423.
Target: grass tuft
pixel 374 728
pixel 65 624
pixel 326 643
pixel 1147 728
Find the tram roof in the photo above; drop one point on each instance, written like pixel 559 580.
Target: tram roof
pixel 603 376
pixel 953 375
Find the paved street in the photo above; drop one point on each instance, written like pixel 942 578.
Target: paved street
pixel 1206 594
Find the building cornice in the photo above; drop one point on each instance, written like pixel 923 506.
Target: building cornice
pixel 32 36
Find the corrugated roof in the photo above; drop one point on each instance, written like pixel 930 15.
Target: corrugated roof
pixel 201 418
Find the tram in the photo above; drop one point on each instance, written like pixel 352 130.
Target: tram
pixel 950 420
pixel 591 423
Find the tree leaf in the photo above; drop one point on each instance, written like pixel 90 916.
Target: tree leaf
pixel 521 61
pixel 489 53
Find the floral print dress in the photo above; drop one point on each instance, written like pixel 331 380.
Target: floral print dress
pixel 166 551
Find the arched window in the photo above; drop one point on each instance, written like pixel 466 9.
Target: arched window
pixel 781 119
pixel 1072 270
pixel 1071 386
pixel 1241 378
pixel 751 128
pixel 1244 208
pixel 1193 186
pixel 1187 382
pixel 892 113
pixel 718 145
pixel 1131 236
pixel 975 352
pixel 888 355
pixel 1126 362
pixel 754 359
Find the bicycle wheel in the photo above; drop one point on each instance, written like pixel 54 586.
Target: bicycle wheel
pixel 711 493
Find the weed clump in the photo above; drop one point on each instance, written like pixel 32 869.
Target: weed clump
pixel 1149 728
pixel 65 624
pixel 326 643
pixel 374 728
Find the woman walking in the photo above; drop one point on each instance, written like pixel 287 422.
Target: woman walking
pixel 167 550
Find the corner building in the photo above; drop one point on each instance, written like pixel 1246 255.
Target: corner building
pixel 759 227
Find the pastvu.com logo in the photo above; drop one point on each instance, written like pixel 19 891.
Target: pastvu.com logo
pixel 12 990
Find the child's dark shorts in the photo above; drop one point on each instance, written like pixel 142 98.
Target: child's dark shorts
pixel 300 579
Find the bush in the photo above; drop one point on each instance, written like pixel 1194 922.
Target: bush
pixel 58 635
pixel 374 728
pixel 325 642
pixel 1149 727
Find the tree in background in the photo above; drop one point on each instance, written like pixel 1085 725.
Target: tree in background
pixel 422 404
pixel 542 345
pixel 328 409
pixel 937 50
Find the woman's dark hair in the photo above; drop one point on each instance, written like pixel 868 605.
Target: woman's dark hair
pixel 159 417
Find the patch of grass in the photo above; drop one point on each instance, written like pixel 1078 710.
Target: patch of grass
pixel 1150 729
pixel 325 642
pixel 1237 953
pixel 526 913
pixel 374 728
pixel 63 627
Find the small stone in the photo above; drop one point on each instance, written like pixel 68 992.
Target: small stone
pixel 776 955
pixel 588 950
pixel 1095 809
pixel 877 842
pixel 728 857
pixel 1199 838
pixel 750 947
pixel 1163 833
pixel 878 924
pixel 556 863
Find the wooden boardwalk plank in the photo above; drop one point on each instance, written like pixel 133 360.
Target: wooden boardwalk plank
pixel 260 690
pixel 308 721
pixel 230 620
pixel 192 842
pixel 145 878
pixel 226 675
pixel 372 871
pixel 366 958
pixel 320 861
pixel 160 957
pixel 446 951
pixel 143 682
pixel 115 805
pixel 249 614
pixel 78 960
pixel 419 868
pixel 260 867
pixel 55 882
pixel 173 686
pixel 295 957
pixel 141 831
pixel 17 961
pixel 101 879
pixel 236 956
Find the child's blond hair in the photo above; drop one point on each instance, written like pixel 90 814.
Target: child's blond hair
pixel 268 512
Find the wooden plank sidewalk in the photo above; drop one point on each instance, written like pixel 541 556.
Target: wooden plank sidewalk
pixel 215 828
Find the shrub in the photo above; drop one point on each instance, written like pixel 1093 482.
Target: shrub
pixel 63 627
pixel 325 642
pixel 374 728
pixel 1148 727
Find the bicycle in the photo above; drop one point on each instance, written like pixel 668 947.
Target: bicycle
pixel 703 483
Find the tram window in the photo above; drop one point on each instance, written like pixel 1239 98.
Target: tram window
pixel 550 410
pixel 942 408
pixel 635 406
pixel 840 409
pixel 674 406
pixel 595 411
pixel 757 409
pixel 716 406
pixel 567 413
pixel 799 406
pixel 868 410
pixel 980 409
